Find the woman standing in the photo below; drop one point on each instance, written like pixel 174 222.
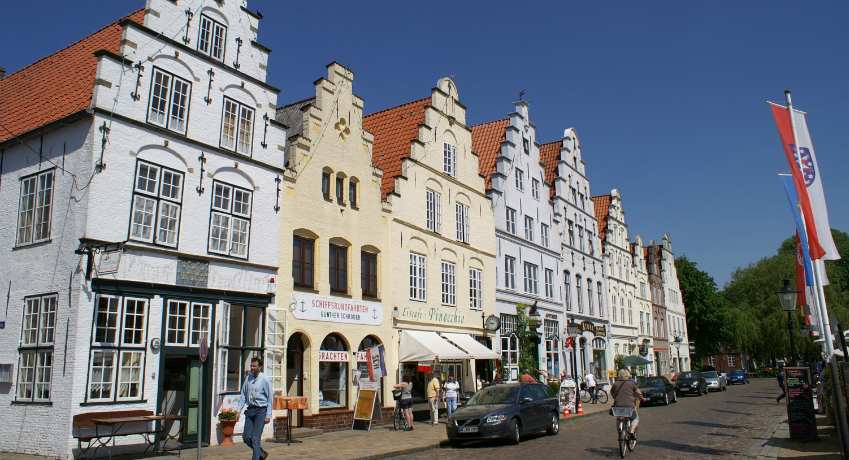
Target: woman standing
pixel 406 387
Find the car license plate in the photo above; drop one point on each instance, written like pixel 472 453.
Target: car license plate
pixel 468 429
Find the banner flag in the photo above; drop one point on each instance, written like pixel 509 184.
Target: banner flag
pixel 377 362
pixel 813 182
pixel 785 131
pixel 804 258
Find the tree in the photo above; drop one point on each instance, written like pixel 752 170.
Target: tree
pixel 526 330
pixel 707 311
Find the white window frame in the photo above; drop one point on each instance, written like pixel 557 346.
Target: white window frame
pixel 543 233
pixel 578 291
pixel 35 208
pixel 171 111
pixel 549 283
pixel 195 325
pixel 433 211
pixel 712 361
pixel 567 281
pixel 461 212
pixel 449 284
pixel 212 38
pixel 234 136
pixel 161 210
pixel 571 232
pixel 134 323
pixel 535 188
pixel 475 289
pixel 418 277
pixel 731 361
pixel 112 312
pixel 126 375
pixel 511 220
pixel 520 180
pixel 531 278
pixel 230 217
pixel 35 360
pixel 449 159
pixel 529 228
pixel 131 334
pixel 510 273
pixel 110 371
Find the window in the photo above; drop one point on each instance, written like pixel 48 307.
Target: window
pixel 535 188
pixel 531 280
pixel 352 193
pixel 157 198
pixel 712 361
pixel 578 291
pixel 529 228
pixel 543 233
pixel 600 297
pixel 552 346
pixel 642 323
pixel 418 277
pixel 590 242
pixel 239 340
pixel 230 223
pixel 340 189
pixel 590 295
pixel 567 287
pixel 731 361
pixel 582 200
pixel 526 145
pixel 368 274
pixel 237 127
pixel 511 220
pixel 325 185
pixel 581 238
pixel 520 180
pixel 36 351
pixel 574 195
pixel 434 211
pixel 449 284
pixel 614 309
pixel 475 289
pixel 449 159
pixel 169 101
pixel 622 308
pixel 509 272
pixel 302 262
pixel 648 323
pixel 571 232
pixel 549 283
pixel 338 269
pixel 212 37
pixel 462 214
pixel 116 369
pixel 643 290
pixel 35 207
pixel 630 312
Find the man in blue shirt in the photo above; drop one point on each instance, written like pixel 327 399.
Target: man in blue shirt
pixel 256 393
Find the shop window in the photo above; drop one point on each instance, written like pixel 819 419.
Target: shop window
pixel 552 346
pixel 333 358
pixel 116 366
pixel 239 340
pixel 368 274
pixel 338 256
pixel 275 341
pixel 599 364
pixel 302 262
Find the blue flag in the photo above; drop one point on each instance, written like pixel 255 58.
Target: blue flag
pixel 800 226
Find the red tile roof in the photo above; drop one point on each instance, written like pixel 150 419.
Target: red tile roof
pixel 549 153
pixel 602 211
pixel 393 130
pixel 56 86
pixel 486 142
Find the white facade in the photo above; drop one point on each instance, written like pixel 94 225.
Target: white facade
pixel 676 316
pixel 183 174
pixel 642 293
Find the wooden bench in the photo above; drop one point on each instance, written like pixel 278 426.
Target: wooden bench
pixel 114 420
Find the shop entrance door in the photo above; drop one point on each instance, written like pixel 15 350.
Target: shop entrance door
pixel 295 373
pixel 180 395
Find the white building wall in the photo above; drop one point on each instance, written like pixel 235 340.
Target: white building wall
pixel 643 301
pixel 676 316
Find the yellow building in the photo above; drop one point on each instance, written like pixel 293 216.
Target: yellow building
pixel 335 287
pixel 442 240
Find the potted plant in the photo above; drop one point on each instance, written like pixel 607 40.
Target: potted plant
pixel 227 420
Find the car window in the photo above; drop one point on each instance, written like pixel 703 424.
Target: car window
pixel 527 392
pixel 550 392
pixel 709 374
pixel 539 392
pixel 688 375
pixel 651 382
pixel 494 395
pixel 665 381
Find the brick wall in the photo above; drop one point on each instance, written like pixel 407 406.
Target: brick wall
pixel 331 421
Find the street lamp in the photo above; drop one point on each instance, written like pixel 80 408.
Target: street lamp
pixel 787 296
pixel 574 330
pixel 678 340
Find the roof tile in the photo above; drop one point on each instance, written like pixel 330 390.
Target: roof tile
pixel 601 204
pixel 486 142
pixel 549 153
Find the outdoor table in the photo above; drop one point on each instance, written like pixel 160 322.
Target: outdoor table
pixel 115 424
pixel 178 438
pixel 290 403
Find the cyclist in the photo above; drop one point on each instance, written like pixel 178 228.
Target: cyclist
pixel 591 386
pixel 625 394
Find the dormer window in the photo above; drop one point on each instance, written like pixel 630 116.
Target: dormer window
pixel 169 101
pixel 237 127
pixel 213 36
pixel 449 159
pixel 527 146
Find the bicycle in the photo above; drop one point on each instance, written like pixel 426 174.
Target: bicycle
pixel 600 394
pixel 399 421
pixel 623 427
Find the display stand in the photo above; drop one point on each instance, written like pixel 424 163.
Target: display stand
pixel 290 403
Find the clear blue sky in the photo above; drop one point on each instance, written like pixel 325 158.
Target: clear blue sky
pixel 668 98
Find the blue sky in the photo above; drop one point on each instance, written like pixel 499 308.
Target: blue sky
pixel 668 98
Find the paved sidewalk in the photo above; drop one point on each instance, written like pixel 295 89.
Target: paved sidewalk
pixel 775 443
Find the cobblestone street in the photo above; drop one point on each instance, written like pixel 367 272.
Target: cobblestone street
pixel 718 425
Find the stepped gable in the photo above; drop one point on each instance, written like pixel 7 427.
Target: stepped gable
pixel 393 130
pixel 56 86
pixel 549 153
pixel 292 115
pixel 486 142
pixel 602 211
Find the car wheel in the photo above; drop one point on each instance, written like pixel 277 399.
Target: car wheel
pixel 666 399
pixel 554 424
pixel 514 434
pixel 674 397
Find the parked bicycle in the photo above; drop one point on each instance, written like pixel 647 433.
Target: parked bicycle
pixel 600 394
pixel 399 422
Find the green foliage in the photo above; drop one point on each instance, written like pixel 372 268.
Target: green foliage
pixel 619 363
pixel 554 385
pixel 707 311
pixel 526 330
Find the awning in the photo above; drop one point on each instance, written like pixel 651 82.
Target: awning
pixel 427 346
pixel 471 346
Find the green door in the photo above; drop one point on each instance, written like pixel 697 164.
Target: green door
pixel 192 398
pixel 181 394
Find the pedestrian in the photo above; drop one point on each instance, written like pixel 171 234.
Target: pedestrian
pixel 780 378
pixel 591 384
pixel 256 393
pixel 526 377
pixel 433 398
pixel 406 387
pixel 450 395
pixel 479 383
pixel 497 380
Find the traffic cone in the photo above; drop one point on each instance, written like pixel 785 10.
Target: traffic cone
pixel 580 408
pixel 566 412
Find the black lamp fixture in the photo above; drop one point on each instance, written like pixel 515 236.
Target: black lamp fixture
pixel 787 296
pixel 573 328
pixel 533 312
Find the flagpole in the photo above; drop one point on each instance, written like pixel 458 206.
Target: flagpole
pixel 823 310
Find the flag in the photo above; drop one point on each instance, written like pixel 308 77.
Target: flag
pixel 376 362
pixel 785 131
pixel 804 258
pixel 813 182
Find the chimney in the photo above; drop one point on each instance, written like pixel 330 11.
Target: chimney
pixel 2 73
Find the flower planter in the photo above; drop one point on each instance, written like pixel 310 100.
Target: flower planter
pixel 227 427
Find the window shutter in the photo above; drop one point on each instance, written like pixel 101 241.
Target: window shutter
pixel 224 329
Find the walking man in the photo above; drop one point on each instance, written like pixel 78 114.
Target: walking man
pixel 256 393
pixel 452 391
pixel 591 384
pixel 433 398
pixel 780 378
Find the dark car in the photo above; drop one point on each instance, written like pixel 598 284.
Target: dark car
pixel 691 382
pixel 657 389
pixel 505 411
pixel 738 376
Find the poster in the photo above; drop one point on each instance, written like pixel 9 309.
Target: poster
pixel 232 402
pixel 800 405
pixel 365 406
pixel 567 395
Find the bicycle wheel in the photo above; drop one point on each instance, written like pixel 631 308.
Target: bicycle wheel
pixel 622 441
pixel 602 396
pixel 632 443
pixel 585 396
pixel 399 416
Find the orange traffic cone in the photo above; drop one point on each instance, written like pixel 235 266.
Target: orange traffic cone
pixel 566 412
pixel 580 409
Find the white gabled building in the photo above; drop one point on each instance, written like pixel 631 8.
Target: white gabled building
pixel 676 316
pixel 582 271
pixel 645 344
pixel 139 205
pixel 528 251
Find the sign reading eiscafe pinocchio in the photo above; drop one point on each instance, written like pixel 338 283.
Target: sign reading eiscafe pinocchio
pixel 598 331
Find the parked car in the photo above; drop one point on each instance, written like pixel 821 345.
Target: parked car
pixel 738 376
pixel 691 382
pixel 506 411
pixel 715 381
pixel 657 389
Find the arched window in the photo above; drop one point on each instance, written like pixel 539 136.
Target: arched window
pixel 333 358
pixel 368 343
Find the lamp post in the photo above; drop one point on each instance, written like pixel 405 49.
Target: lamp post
pixel 787 296
pixel 678 340
pixel 574 330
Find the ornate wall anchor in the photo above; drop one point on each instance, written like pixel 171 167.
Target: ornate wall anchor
pixel 265 132
pixel 211 74
pixel 202 159
pixel 277 204
pixel 139 68
pixel 238 50
pixel 189 15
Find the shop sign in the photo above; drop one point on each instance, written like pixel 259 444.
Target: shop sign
pixel 335 310
pixel 435 315
pixel 334 356
pixel 587 326
pixel 109 262
pixel 568 342
pixel 550 316
pixel 366 384
pixel 599 331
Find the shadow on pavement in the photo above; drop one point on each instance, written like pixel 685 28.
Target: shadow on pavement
pixel 604 452
pixel 678 447
pixel 712 425
pixel 744 402
pixel 723 434
pixel 732 412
